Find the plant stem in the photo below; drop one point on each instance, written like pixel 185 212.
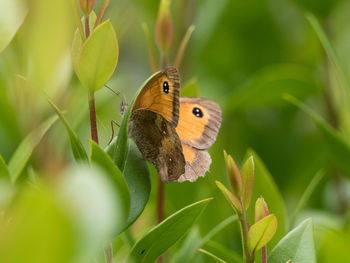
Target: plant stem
pixel 87 26
pixel 247 256
pixel 264 254
pixel 109 253
pixel 164 61
pixel 93 126
pixel 79 23
pixel 101 12
pixel 160 201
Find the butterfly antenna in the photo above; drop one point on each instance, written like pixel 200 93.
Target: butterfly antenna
pixel 118 93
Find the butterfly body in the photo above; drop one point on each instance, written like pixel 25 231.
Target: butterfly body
pixel 174 133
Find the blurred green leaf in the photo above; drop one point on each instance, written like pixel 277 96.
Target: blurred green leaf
pixel 151 52
pixel 218 228
pixel 190 88
pixel 265 186
pixel 223 252
pixel 247 174
pixel 12 14
pixel 187 251
pixel 267 86
pixel 298 245
pixel 98 57
pixel 23 152
pixel 334 246
pixel 182 48
pixel 4 171
pixel 307 194
pixel 341 91
pixel 217 259
pixel 230 197
pixel 261 232
pixel 321 8
pixel 102 159
pixel 95 208
pixel 76 145
pixel 164 235
pixel 39 230
pixel 338 147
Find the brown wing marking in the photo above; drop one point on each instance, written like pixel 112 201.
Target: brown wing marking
pixel 158 142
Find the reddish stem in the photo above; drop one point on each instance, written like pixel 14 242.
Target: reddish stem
pixel 92 110
pixel 101 12
pixel 87 26
pixel 264 254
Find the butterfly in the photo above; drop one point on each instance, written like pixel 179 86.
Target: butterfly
pixel 173 133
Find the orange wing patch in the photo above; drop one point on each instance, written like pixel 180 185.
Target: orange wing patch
pixel 189 153
pixel 161 95
pixel 191 127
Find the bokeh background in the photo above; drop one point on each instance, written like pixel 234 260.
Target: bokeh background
pixel 244 55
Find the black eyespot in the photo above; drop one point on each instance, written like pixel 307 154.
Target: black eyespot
pixel 166 87
pixel 197 112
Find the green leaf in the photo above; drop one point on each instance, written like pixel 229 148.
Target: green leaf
pixel 188 248
pixel 265 186
pixel 101 158
pixel 21 156
pixel 76 145
pixel 334 246
pixel 307 193
pixel 151 52
pixel 190 88
pixel 261 233
pixel 341 92
pixel 218 228
pixel 77 42
pixel 89 197
pixel 4 171
pixel 223 252
pixel 164 235
pixel 138 178
pixel 39 229
pixel 217 259
pixel 230 197
pixel 338 146
pixel 298 245
pixel 247 174
pixel 12 14
pixel 98 57
pixel 267 86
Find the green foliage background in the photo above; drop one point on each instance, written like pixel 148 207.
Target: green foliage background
pixel 245 55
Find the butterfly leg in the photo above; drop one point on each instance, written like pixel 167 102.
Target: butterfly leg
pixel 116 123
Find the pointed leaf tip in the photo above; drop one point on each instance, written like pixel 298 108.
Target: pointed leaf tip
pixel 247 174
pixel 261 233
pixel 233 174
pixel 230 197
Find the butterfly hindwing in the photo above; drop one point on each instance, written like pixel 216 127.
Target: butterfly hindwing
pixel 199 122
pixel 198 126
pixel 197 163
